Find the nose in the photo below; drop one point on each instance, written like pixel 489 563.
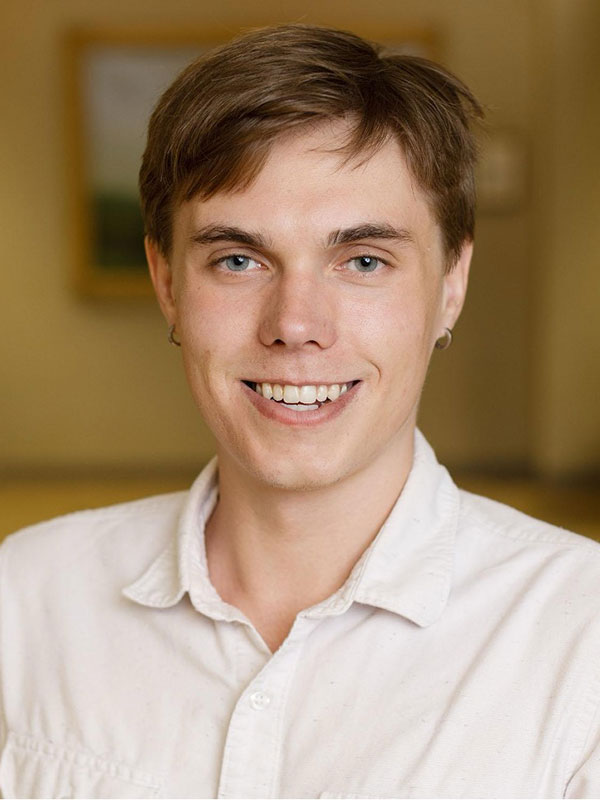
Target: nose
pixel 298 311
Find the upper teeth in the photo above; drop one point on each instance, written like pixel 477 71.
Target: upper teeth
pixel 301 394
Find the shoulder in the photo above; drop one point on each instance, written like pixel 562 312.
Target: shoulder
pixel 523 549
pixel 539 585
pixel 496 520
pixel 123 532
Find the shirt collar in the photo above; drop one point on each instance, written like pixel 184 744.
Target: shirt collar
pixel 409 566
pixel 406 570
pixel 180 565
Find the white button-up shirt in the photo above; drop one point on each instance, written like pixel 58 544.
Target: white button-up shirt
pixel 461 658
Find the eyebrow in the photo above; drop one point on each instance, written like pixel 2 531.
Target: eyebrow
pixel 228 233
pixel 368 231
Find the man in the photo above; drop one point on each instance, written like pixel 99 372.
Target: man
pixel 324 614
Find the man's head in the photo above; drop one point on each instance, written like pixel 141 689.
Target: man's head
pixel 214 128
pixel 309 209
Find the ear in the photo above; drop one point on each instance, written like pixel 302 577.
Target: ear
pixel 455 287
pixel 162 278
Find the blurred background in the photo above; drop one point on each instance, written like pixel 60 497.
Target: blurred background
pixel 93 404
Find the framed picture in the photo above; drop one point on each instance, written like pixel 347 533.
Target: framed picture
pixel 114 79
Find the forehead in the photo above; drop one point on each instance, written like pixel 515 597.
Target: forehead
pixel 308 186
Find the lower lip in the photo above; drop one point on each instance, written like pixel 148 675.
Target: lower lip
pixel 300 419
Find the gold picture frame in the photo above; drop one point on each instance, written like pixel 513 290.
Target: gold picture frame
pixel 113 79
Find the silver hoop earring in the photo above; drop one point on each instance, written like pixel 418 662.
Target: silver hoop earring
pixel 445 340
pixel 171 336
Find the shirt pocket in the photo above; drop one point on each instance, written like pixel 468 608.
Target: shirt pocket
pixel 31 767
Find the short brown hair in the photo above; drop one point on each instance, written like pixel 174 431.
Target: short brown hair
pixel 213 128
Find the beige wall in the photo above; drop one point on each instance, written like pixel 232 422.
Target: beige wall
pixel 94 384
pixel 566 398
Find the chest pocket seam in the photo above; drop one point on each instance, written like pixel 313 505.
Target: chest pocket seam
pixel 78 761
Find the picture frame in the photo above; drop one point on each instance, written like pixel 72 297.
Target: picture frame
pixel 113 80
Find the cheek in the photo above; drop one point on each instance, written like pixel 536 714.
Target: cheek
pixel 203 320
pixel 398 322
pixel 215 334
pixel 203 331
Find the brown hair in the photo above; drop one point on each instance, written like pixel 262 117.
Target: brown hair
pixel 213 128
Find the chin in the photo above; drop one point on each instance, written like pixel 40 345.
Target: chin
pixel 289 476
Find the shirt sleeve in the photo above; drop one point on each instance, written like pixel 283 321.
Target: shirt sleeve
pixel 585 783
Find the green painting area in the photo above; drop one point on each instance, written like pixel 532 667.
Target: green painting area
pixel 118 233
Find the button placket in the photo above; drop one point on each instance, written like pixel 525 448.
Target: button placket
pixel 252 749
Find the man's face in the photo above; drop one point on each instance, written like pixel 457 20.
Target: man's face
pixel 317 274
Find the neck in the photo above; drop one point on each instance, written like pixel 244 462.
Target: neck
pixel 273 552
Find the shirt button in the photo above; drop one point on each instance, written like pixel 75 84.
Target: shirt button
pixel 259 700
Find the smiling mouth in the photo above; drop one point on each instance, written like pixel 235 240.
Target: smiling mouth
pixel 307 397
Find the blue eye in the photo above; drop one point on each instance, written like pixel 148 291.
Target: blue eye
pixel 365 263
pixel 236 263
